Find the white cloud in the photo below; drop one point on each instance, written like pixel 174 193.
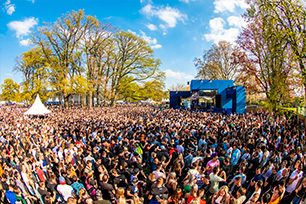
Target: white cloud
pixel 147 10
pixel 168 15
pixel 236 21
pixel 216 24
pixel 157 46
pixel 152 27
pixel 9 7
pixel 23 28
pixel 25 42
pixel 152 41
pixel 229 5
pixel 218 31
pixel 177 75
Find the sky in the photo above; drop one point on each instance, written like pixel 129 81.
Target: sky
pixel 177 30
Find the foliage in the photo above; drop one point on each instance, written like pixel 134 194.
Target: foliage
pixel 154 90
pixel 36 71
pixel 267 55
pixel 77 55
pixel 131 91
pixel 132 57
pixel 291 17
pixel 10 90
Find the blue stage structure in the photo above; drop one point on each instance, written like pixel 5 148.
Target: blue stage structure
pixel 211 95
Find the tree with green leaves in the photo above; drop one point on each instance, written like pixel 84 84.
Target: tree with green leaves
pixel 129 90
pixel 64 39
pixel 35 69
pixel 10 90
pixel 131 56
pixel 154 90
pixel 96 46
pixel 267 55
pixel 78 56
pixel 133 91
pixel 291 17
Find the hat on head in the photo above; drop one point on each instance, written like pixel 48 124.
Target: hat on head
pixel 187 188
pixel 214 154
pixel 61 180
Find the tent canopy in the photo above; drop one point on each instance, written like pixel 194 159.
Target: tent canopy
pixel 38 108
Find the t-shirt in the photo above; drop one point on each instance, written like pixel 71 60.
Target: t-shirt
pixel 160 191
pixel 65 190
pixel 297 176
pixel 235 157
pixel 240 200
pixel 11 196
pixel 77 186
pixel 40 174
pixel 212 164
pixel 159 174
pixel 214 182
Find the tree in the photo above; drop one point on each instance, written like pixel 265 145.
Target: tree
pixel 180 87
pixel 10 90
pixel 217 63
pixel 131 56
pixel 97 44
pixel 267 54
pixel 129 90
pixel 64 38
pixel 80 85
pixel 291 16
pixel 154 90
pixel 36 70
pixel 77 55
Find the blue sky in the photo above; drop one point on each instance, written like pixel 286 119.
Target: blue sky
pixel 178 30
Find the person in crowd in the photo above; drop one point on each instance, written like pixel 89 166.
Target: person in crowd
pixel 177 197
pixel 221 196
pixel 300 195
pixel 65 190
pixel 240 197
pixel 142 154
pixel 277 194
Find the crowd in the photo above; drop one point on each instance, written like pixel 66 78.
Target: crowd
pixel 147 155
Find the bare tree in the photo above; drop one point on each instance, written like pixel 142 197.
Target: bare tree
pixel 218 62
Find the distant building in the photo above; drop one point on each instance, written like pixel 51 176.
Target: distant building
pixel 211 95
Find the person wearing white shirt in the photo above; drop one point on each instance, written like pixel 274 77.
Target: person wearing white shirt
pixel 65 190
pixel 260 155
pixel 60 154
pixel 295 177
pixel 294 180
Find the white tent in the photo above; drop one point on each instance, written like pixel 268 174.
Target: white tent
pixel 38 108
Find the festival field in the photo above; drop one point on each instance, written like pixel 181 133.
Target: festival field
pixel 142 154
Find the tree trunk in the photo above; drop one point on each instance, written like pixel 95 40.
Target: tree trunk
pixel 90 100
pixel 97 96
pixel 113 99
pixel 84 97
pixel 66 101
pixel 304 108
pixel 105 91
